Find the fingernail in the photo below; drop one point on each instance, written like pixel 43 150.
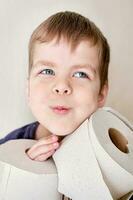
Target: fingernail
pixel 56 144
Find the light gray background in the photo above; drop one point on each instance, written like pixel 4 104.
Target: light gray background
pixel 18 18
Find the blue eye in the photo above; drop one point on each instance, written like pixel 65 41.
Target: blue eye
pixel 81 75
pixel 47 72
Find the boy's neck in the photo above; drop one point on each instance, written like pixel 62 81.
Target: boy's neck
pixel 41 132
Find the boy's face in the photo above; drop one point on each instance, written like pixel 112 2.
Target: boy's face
pixel 61 78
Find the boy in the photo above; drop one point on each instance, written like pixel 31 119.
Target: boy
pixel 68 80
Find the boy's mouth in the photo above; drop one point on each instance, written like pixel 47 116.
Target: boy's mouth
pixel 61 109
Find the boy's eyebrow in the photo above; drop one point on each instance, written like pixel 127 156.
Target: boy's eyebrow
pixel 85 66
pixel 54 65
pixel 42 62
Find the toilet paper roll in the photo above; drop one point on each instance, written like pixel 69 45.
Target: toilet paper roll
pixel 22 178
pixel 112 140
pixel 89 164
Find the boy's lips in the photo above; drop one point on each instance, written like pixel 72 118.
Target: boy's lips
pixel 60 109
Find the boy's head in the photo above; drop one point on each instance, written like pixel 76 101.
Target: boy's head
pixel 62 46
pixel 74 28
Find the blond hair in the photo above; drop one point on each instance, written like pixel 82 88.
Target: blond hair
pixel 74 28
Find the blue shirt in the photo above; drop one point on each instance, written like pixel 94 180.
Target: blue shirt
pixel 25 132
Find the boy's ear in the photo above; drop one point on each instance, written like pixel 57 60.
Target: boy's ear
pixel 102 95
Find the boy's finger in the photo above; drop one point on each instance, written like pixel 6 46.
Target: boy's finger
pixel 42 150
pixel 49 136
pixel 48 140
pixel 45 156
pixel 44 141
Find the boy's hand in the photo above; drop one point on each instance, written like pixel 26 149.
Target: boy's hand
pixel 44 148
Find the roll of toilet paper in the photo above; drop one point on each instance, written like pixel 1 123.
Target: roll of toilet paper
pixel 112 140
pixel 22 178
pixel 95 161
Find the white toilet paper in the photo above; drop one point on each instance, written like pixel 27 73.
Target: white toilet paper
pixel 24 179
pixel 116 165
pixel 89 164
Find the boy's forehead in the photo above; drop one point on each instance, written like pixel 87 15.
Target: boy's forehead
pixel 53 52
pixel 62 42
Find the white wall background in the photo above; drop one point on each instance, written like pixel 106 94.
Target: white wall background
pixel 18 18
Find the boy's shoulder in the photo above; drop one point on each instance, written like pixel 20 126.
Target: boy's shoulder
pixel 24 132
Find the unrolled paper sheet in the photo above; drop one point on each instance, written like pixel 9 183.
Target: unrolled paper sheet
pixel 79 175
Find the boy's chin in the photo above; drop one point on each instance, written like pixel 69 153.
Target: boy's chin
pixel 63 132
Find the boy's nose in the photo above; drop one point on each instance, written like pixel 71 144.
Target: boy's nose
pixel 60 89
